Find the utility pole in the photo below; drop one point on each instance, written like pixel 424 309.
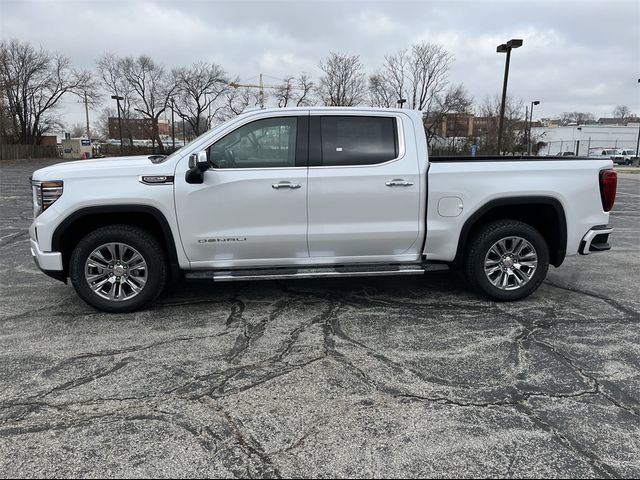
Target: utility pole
pixel 526 127
pixel 261 93
pixel 535 102
pixel 173 127
pixel 86 111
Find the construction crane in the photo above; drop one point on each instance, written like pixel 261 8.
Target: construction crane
pixel 261 86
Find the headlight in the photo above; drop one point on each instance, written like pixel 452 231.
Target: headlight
pixel 44 194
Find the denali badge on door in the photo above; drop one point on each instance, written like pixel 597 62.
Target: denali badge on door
pixel 217 240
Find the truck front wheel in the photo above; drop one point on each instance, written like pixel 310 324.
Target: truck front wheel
pixel 507 260
pixel 118 268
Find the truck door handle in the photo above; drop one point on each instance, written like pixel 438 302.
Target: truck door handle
pixel 398 182
pixel 285 185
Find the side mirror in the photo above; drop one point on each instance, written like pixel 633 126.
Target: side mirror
pixel 199 161
pixel 198 164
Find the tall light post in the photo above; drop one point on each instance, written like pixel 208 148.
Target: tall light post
pixel 401 102
pixel 638 141
pixel 117 99
pixel 184 131
pixel 505 48
pixel 535 102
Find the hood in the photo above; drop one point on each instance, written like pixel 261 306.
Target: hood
pixel 102 167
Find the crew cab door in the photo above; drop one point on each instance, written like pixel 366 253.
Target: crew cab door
pixel 364 189
pixel 251 208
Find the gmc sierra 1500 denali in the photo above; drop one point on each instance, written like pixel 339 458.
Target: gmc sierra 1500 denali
pixel 313 192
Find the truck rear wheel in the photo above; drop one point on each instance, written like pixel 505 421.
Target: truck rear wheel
pixel 118 268
pixel 507 260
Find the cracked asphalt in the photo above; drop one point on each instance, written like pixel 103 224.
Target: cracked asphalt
pixel 376 377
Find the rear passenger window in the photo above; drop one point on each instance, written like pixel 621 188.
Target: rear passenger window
pixel 351 140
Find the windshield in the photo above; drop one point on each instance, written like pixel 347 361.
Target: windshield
pixel 188 145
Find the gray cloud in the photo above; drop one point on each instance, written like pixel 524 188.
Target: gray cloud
pixel 577 55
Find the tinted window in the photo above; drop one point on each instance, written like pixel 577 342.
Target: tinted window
pixel 358 140
pixel 261 144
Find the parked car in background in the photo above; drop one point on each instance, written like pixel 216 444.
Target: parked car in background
pixel 628 155
pixel 615 154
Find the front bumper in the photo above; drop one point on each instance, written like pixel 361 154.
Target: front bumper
pixel 596 240
pixel 49 262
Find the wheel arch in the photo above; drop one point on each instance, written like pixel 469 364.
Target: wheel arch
pixel 81 222
pixel 544 213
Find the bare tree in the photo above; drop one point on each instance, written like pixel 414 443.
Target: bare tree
pixel 344 82
pixel 101 128
pixel 455 102
pixel 306 87
pixel 236 100
pixel 111 71
pixel 514 129
pixel 622 112
pixel 389 84
pixel 198 91
pixel 78 130
pixel 381 92
pixel 151 87
pixel 34 82
pixel 295 91
pixel 419 76
pixel 579 118
pixel 284 93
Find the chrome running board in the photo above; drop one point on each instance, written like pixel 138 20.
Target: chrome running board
pixel 285 273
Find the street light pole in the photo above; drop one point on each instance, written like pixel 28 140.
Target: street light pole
pixel 117 99
pixel 401 102
pixel 638 141
pixel 505 48
pixel 535 102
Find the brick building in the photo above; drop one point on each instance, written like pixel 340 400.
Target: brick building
pixel 463 125
pixel 137 128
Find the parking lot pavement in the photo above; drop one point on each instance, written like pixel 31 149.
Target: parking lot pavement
pixel 377 377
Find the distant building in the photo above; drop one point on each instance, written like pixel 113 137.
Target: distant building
pixel 584 137
pixel 455 125
pixel 48 140
pixel 137 128
pixel 463 125
pixel 548 122
pixel 618 121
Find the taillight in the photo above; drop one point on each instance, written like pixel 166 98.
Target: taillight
pixel 608 185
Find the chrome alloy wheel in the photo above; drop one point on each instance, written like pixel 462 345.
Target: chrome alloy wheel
pixel 510 263
pixel 116 271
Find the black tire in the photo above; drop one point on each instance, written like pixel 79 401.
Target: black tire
pixel 139 239
pixel 479 248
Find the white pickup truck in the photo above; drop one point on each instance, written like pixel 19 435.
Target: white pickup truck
pixel 314 192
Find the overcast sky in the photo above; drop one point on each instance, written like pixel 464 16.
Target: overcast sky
pixel 578 55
